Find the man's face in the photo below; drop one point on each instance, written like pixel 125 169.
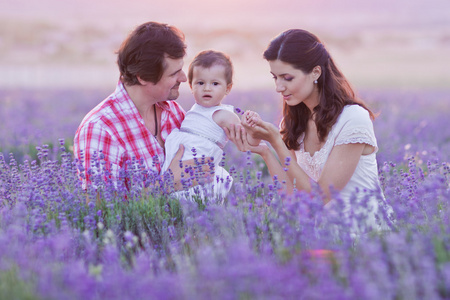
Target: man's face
pixel 167 87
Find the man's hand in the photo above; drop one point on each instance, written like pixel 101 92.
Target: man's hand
pixel 194 170
pixel 175 163
pixel 177 168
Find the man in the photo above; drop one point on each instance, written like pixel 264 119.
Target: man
pixel 134 121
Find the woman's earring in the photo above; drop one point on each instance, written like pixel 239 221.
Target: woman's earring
pixel 315 81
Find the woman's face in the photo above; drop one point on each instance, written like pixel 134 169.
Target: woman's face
pixel 294 85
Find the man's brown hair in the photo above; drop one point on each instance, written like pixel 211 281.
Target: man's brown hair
pixel 144 50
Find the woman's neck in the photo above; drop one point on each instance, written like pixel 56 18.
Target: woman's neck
pixel 313 100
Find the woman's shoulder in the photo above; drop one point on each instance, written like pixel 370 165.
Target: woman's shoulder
pixel 355 114
pixel 354 126
pixel 355 110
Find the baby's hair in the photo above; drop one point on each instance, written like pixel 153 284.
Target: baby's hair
pixel 208 58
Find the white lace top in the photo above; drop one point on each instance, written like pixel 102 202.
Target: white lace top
pixel 353 126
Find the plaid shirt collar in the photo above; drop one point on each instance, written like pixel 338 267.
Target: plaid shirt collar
pixel 128 105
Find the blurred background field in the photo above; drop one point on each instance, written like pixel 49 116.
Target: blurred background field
pixel 396 44
pixel 409 123
pixel 57 60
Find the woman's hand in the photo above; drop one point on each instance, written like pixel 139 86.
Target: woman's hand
pixel 260 129
pixel 238 136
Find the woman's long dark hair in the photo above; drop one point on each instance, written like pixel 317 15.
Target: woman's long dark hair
pixel 304 51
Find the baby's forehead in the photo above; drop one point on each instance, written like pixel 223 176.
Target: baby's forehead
pixel 215 66
pixel 216 69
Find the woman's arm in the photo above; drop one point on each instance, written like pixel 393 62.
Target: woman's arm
pixel 338 169
pixel 238 135
pixel 275 167
pixel 340 166
pixel 290 173
pixel 293 171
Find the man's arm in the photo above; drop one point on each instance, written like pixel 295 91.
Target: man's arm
pixel 93 143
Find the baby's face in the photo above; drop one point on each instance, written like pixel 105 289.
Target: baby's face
pixel 209 85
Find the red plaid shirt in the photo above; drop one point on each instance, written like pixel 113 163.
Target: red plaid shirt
pixel 116 127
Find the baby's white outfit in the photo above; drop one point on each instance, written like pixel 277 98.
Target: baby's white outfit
pixel 201 136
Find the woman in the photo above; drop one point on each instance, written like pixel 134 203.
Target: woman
pixel 325 128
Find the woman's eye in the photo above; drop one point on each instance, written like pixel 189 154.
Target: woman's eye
pixel 288 78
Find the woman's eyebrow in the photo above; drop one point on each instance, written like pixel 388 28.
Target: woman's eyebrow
pixel 284 74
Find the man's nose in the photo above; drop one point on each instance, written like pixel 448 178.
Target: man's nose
pixel 182 77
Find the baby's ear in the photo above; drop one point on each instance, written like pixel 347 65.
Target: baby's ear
pixel 229 86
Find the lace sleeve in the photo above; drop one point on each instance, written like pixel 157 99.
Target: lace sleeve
pixel 355 126
pixel 360 135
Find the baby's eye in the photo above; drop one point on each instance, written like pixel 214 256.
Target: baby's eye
pixel 215 83
pixel 200 83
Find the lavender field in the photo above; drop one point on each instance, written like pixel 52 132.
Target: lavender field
pixel 58 241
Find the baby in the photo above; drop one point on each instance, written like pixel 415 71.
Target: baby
pixel 210 78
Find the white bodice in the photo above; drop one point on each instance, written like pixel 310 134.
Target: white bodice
pixel 352 126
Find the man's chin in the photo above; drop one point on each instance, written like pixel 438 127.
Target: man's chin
pixel 173 96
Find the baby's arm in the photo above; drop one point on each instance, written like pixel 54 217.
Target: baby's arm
pixel 225 118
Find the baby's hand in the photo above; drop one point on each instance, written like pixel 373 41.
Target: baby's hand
pixel 250 118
